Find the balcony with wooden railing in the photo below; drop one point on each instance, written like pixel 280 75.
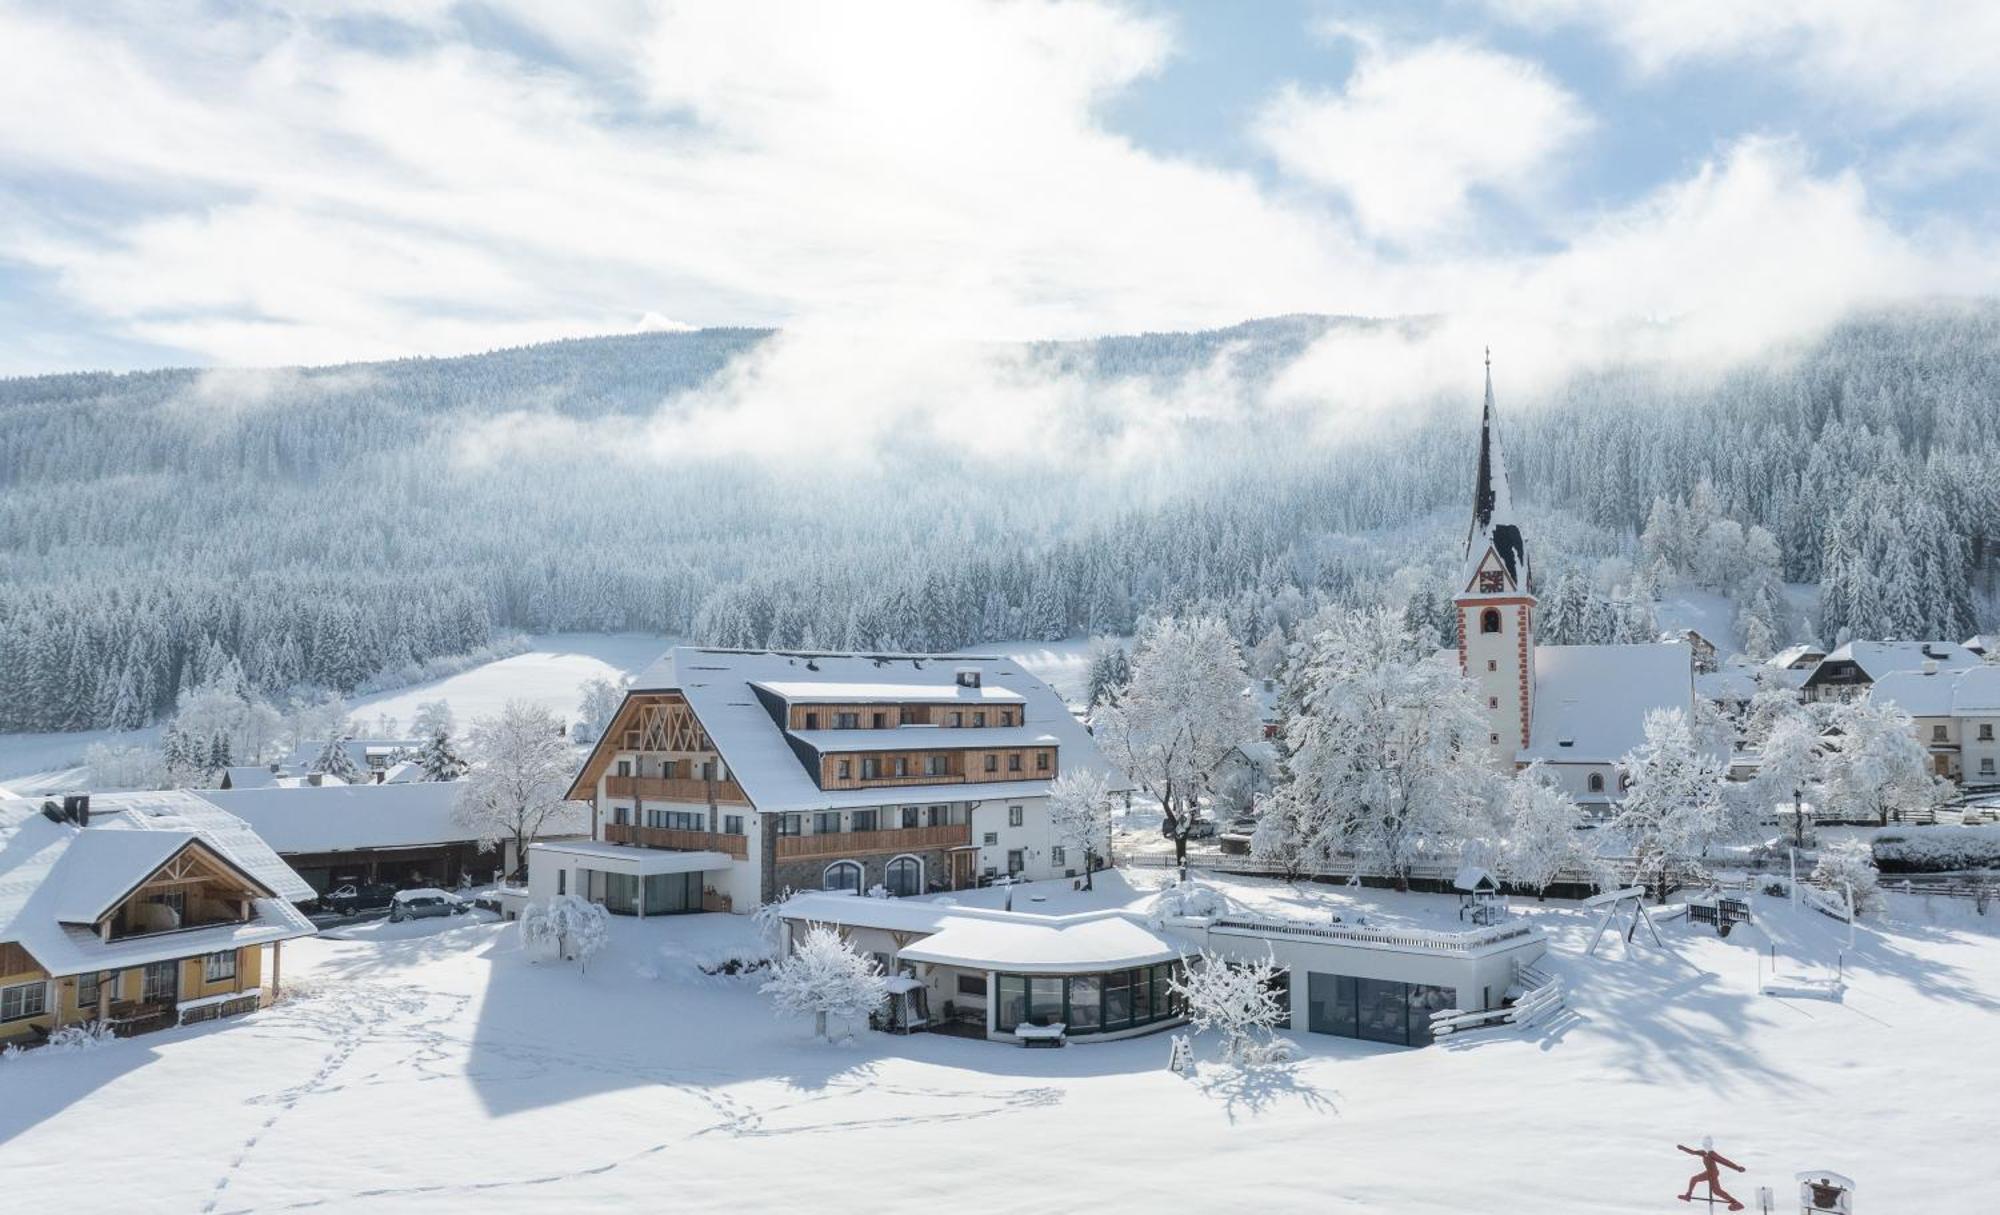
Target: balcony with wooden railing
pixel 859 843
pixel 676 840
pixel 674 789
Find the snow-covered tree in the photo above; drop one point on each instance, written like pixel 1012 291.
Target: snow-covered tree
pixel 439 759
pixel 1674 807
pixel 1541 822
pixel 521 767
pixel 574 927
pixel 1848 866
pixel 826 977
pixel 1387 749
pixel 1110 670
pixel 1876 767
pixel 335 760
pixel 1080 812
pixel 432 718
pixel 1181 716
pixel 1234 998
pixel 598 704
pixel 113 766
pixel 1793 763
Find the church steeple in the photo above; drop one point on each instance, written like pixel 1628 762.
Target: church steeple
pixel 1493 525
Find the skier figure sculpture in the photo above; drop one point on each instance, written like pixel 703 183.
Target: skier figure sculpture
pixel 1709 1159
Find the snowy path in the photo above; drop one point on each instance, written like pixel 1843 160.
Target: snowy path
pixel 433 1068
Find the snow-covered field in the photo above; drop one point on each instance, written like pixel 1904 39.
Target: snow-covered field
pixel 430 1066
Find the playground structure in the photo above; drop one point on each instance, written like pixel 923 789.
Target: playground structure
pixel 1628 904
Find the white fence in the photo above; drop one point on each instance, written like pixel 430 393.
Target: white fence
pixel 1425 939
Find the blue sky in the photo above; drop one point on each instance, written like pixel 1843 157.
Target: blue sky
pixel 253 184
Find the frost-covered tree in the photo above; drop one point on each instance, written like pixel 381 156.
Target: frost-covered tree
pixel 1876 768
pixel 432 718
pixel 521 767
pixel 1674 808
pixel 598 704
pixel 1110 670
pixel 1236 999
pixel 574 927
pixel 1080 812
pixel 825 977
pixel 439 759
pixel 1540 821
pixel 1793 762
pixel 1848 867
pixel 334 759
pixel 113 766
pixel 1387 749
pixel 1183 714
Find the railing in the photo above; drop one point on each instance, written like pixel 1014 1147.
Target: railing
pixel 1346 867
pixel 852 843
pixel 677 840
pixel 885 782
pixel 1398 938
pixel 674 789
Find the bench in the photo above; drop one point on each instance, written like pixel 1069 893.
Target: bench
pixel 1040 1035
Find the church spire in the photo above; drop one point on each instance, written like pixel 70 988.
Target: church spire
pixel 1492 503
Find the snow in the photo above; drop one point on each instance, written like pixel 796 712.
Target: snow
pixel 1706 612
pixel 862 692
pixel 1596 697
pixel 340 818
pixel 905 737
pixel 641 862
pixel 1105 941
pixel 439 1068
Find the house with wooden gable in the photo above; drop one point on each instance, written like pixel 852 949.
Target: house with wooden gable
pixel 1848 672
pixel 728 777
pixel 137 911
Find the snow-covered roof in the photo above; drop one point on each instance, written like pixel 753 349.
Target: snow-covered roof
pixel 863 692
pixel 1060 945
pixel 1977 691
pixel 1918 693
pixel 1879 658
pixel 1729 684
pixel 1795 655
pixel 406 773
pixel 640 862
pixel 928 738
pixel 1591 701
pixel 250 776
pixel 1983 643
pixel 55 878
pixel 1472 877
pixel 344 818
pixel 721 687
pixel 358 750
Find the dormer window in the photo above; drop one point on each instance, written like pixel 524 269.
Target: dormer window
pixel 812 721
pixel 968 677
pixel 979 719
pixel 847 721
pixel 881 720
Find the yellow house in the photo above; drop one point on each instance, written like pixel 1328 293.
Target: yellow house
pixel 136 910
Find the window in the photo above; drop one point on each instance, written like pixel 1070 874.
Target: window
pixel 620 816
pixel 936 765
pixel 911 817
pixel 902 766
pixel 1013 816
pixel 1492 664
pixel 562 881
pixel 842 875
pixel 87 988
pixel 1986 766
pixel 844 769
pixel 812 721
pixel 160 982
pixel 1489 620
pixel 1986 731
pixel 907 716
pixel 1014 761
pixel 1596 782
pixel 864 820
pixel 1492 702
pixel 1041 761
pixel 972 985
pixel 826 822
pixel 1493 738
pixel 937 816
pixel 991 838
pixel 732 824
pixel 847 721
pixel 904 877
pixel 1056 854
pixel 791 824
pixel 217 967
pixel 624 767
pixel 23 1000
pixel 993 763
pixel 871 768
pixel 979 719
pixel 1375 1010
pixel 958 719
pixel 1017 860
pixel 1006 717
pixel 1937 734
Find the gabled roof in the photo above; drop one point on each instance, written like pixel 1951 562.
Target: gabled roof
pixel 1591 701
pixel 1879 658
pixel 1795 654
pixel 358 750
pixel 347 818
pixel 57 878
pixel 861 692
pixel 725 689
pixel 1973 692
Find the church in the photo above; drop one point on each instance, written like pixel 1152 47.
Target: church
pixel 1577 708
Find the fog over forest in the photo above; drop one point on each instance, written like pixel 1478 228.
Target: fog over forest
pixel 325 527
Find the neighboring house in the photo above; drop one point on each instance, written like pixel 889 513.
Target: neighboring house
pixel 372 756
pixel 728 777
pixel 1956 715
pixel 1578 708
pixel 1104 975
pixel 1847 673
pixel 401 834
pixel 139 910
pixel 1705 659
pixel 1986 645
pixel 1796 658
pixel 277 776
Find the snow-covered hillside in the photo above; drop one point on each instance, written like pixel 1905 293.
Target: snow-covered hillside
pixel 431 1066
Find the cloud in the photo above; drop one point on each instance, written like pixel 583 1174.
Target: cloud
pixel 1413 133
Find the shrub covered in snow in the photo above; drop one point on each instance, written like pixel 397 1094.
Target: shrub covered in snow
pixel 87 1036
pixel 1936 849
pixel 576 928
pixel 1189 897
pixel 1235 998
pixel 1847 866
pixel 824 976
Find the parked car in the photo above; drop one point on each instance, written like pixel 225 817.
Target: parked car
pixel 1200 829
pixel 425 901
pixel 348 898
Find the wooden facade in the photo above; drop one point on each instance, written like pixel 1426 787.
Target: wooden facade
pixel 837 844
pixel 962 765
pixel 879 716
pixel 674 789
pixel 736 846
pixel 122 998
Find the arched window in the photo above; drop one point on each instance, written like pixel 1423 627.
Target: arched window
pixel 905 876
pixel 843 875
pixel 1596 782
pixel 1624 782
pixel 1489 620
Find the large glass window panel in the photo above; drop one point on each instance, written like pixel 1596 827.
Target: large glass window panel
pixel 673 893
pixel 843 875
pixel 1425 1000
pixel 1013 1002
pixel 1330 1004
pixel 1084 1009
pixel 1384 1011
pixel 621 893
pixel 1045 1000
pixel 1118 1000
pixel 905 877
pixel 1142 996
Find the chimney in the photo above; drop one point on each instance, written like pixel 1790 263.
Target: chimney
pixel 1930 666
pixel 968 677
pixel 76 808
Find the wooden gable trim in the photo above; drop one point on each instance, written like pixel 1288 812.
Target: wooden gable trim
pixel 653 714
pixel 180 864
